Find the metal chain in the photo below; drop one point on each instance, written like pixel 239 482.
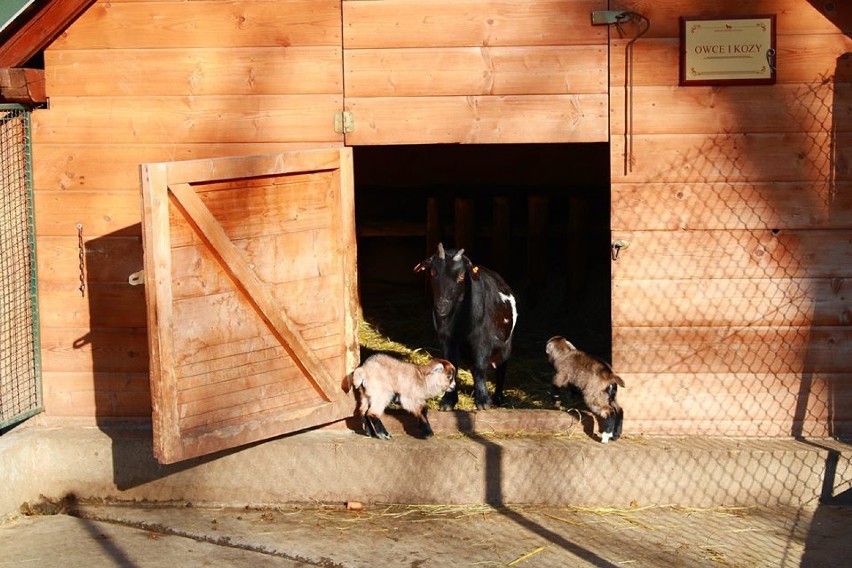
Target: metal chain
pixel 82 254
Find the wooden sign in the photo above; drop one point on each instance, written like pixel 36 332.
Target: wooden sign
pixel 727 51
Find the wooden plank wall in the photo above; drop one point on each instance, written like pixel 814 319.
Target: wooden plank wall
pixel 731 307
pixel 475 71
pixel 132 82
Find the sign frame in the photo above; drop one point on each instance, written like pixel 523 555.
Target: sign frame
pixel 749 48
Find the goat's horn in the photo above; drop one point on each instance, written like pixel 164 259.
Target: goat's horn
pixel 458 255
pixel 440 250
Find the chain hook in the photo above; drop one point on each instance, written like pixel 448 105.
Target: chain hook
pixel 82 255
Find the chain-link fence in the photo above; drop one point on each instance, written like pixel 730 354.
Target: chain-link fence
pixel 20 374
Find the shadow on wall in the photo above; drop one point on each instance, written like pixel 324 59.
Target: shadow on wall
pixel 118 342
pixel 818 550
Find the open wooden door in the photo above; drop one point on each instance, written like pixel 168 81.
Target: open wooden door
pixel 250 277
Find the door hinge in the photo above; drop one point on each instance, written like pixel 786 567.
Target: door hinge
pixel 344 122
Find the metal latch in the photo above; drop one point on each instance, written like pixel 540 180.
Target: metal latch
pixel 344 122
pixel 616 247
pixel 606 17
pixel 137 278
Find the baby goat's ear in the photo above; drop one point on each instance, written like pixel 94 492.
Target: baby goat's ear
pixel 437 367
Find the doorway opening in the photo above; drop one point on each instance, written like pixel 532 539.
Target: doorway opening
pixel 536 213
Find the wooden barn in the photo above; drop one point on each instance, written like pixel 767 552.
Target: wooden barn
pixel 219 185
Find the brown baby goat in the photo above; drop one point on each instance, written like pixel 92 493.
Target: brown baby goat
pixel 596 379
pixel 381 378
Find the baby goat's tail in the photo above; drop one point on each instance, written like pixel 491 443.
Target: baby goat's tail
pixel 353 379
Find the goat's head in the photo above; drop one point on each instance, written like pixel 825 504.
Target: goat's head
pixel 447 272
pixel 559 348
pixel 442 374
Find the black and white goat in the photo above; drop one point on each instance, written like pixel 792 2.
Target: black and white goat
pixel 474 313
pixel 595 378
pixel 382 378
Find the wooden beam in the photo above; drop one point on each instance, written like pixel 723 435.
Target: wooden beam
pixel 25 86
pixel 37 29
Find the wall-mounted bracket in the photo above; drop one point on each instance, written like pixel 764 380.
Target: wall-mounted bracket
pixel 607 17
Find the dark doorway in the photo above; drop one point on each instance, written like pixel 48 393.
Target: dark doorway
pixel 538 214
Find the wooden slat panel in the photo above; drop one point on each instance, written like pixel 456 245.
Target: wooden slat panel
pixel 305 209
pixel 195 337
pixel 200 426
pixel 478 120
pixel 287 388
pixel 112 305
pixel 732 350
pixel 214 119
pixel 470 23
pixel 223 356
pixel 719 302
pixel 107 259
pixel 121 395
pixel 280 341
pixel 200 275
pixel 208 173
pixel 807 58
pixel 261 300
pixel 212 409
pixel 476 71
pixel 673 206
pixel 793 16
pixel 738 404
pixel 197 71
pixel 82 166
pixel 205 23
pixel 734 204
pixel 232 374
pixel 100 212
pixel 815 107
pixel 95 350
pixel 734 254
pixel 696 158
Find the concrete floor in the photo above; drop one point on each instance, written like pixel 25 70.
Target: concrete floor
pixel 95 535
pixel 655 502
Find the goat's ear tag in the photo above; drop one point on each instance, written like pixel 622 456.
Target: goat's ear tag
pixel 475 272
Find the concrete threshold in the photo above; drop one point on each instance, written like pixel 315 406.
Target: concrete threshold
pixel 499 457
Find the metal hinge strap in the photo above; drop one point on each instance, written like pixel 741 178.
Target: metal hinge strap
pixel 344 122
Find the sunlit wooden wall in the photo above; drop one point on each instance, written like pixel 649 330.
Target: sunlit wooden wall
pixel 136 82
pixel 731 306
pixel 731 309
